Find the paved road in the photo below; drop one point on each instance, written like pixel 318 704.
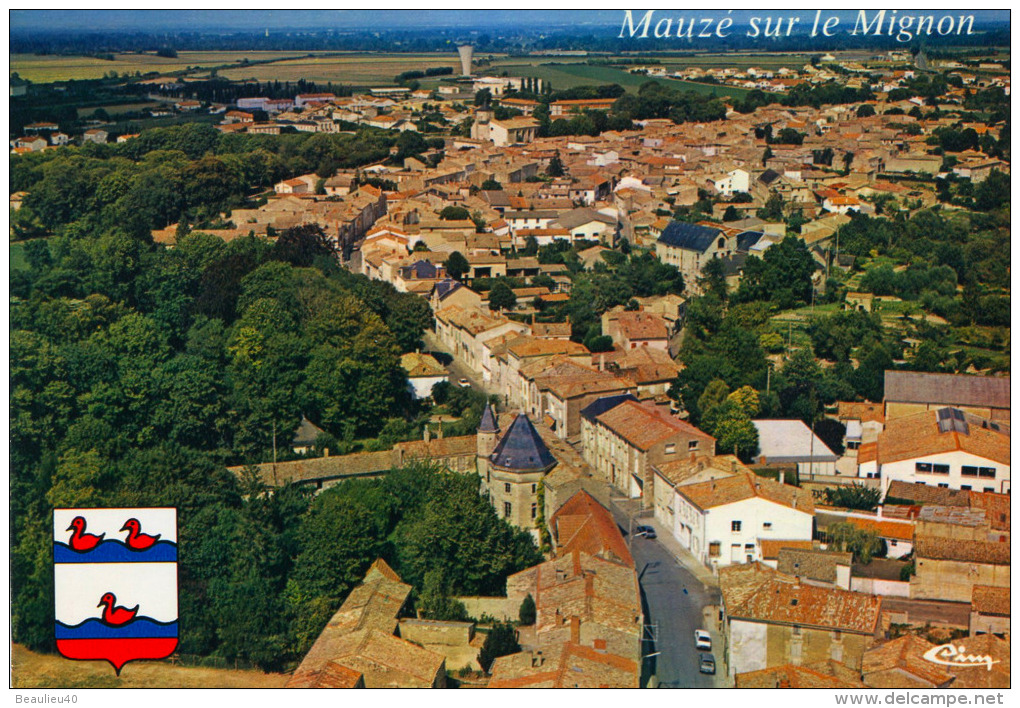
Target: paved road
pixel 457 368
pixel 674 613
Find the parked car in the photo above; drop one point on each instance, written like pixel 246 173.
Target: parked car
pixel 464 383
pixel 702 640
pixel 646 531
pixel 707 665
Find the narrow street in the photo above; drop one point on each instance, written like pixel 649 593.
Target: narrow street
pixel 674 601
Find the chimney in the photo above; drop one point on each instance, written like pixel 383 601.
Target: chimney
pixel 782 476
pixel 575 629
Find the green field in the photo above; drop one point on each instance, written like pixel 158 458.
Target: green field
pixel 356 69
pixel 565 76
pixel 53 67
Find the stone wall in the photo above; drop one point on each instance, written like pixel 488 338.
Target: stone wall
pixel 500 608
pixel 437 632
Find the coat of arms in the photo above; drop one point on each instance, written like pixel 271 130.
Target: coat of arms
pixel 115 583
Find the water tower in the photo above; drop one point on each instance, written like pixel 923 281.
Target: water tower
pixel 466 52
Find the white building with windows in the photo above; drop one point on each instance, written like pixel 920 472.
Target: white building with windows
pixel 723 521
pixel 944 448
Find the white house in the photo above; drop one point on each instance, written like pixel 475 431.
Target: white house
pixel 943 448
pixel 723 521
pixel 785 442
pixel 733 181
pixel 423 372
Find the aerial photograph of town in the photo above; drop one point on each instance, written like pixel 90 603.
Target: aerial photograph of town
pixel 510 349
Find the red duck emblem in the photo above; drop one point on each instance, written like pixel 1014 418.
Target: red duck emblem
pixel 137 540
pixel 81 541
pixel 116 615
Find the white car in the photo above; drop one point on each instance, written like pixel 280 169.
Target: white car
pixel 464 383
pixel 702 640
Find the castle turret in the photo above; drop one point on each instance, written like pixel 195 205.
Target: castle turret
pixel 516 467
pixel 488 433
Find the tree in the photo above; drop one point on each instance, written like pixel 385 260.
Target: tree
pixel 555 168
pixel 854 496
pixel 454 213
pixel 865 110
pixel 731 213
pixel 457 265
pixel 501 297
pixel 500 641
pixel 864 545
pixel 491 185
pixel 527 612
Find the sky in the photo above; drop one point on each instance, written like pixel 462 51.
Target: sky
pixel 247 20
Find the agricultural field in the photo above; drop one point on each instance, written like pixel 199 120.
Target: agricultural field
pixel 565 76
pixel 118 109
pixel 49 68
pixel 356 69
pixel 32 670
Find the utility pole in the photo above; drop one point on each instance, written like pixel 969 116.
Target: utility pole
pixel 275 482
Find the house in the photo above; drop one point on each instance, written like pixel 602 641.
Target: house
pixel 565 665
pixel 941 448
pixel 465 330
pixel 772 619
pixel 95 135
pixel 585 224
pixel 791 443
pixel 305 436
pixel 688 247
pixel 908 392
pixel 584 524
pixel 989 610
pixel 949 569
pixel 901 663
pixel 359 641
pixel 813 565
pixel 512 464
pixel 623 440
pixel 423 372
pixel 584 599
pixel 725 521
pixel 733 181
pixel 651 369
pixel 828 675
pixel 305 184
pixel 512 131
pixel 633 330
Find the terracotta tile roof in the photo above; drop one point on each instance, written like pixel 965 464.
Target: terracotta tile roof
pixel 900 663
pixel 643 427
pixel 641 325
pixel 755 592
pixel 978 676
pixel 678 471
pixel 583 524
pixel 919 435
pixel 719 492
pixel 951 549
pixel 863 411
pixel 885 528
pixel 947 389
pixel 996 506
pixel 926 494
pixel 790 676
pixel 770 547
pixel 814 564
pixel 419 365
pixel 988 600
pixel 438 448
pixel 565 665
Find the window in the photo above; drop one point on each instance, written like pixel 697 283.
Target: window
pixel 506 487
pixel 944 486
pixel 714 549
pixel 989 489
pixel 534 488
pixel 969 471
pixel 940 469
pixel 767 526
pixel 534 510
pixel 692 445
pixel 965 487
pixel 796 631
pixel 749 547
pixel 507 509
pixel 735 526
pixel 922 467
pixel 853 444
pixel 837 635
pixel 986 472
pixel 670 448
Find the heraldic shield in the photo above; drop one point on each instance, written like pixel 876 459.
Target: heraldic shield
pixel 115 583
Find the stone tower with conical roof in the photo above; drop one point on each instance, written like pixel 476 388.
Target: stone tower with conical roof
pixel 488 434
pixel 514 470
